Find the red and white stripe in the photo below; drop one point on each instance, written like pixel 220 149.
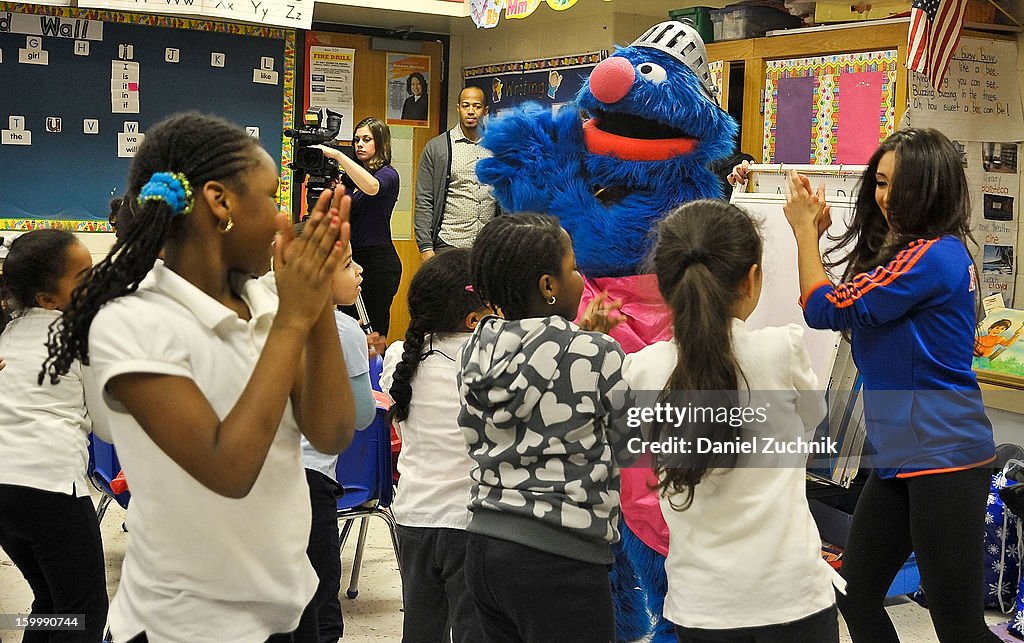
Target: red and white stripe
pixel 931 41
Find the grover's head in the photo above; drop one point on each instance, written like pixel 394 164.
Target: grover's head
pixel 653 104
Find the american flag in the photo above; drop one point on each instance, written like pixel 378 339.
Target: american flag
pixel 934 34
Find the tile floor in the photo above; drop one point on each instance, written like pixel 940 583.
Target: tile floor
pixel 376 613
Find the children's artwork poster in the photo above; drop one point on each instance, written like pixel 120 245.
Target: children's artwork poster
pixel 997 346
pixel 520 8
pixel 993 179
pixel 550 81
pixel 407 95
pixel 329 83
pixel 487 13
pixel 829 110
pixel 979 96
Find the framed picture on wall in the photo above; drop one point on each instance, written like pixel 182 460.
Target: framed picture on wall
pixel 407 90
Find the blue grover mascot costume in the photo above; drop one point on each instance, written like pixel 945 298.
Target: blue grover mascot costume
pixel 654 127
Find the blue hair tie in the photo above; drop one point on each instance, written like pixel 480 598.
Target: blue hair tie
pixel 172 188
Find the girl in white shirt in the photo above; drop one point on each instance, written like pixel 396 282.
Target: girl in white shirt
pixel 744 560
pixel 47 522
pixel 431 506
pixel 207 379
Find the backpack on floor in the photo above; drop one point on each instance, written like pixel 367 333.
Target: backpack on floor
pixel 1004 538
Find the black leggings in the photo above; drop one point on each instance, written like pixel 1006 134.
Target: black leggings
pixel 941 518
pixel 382 272
pixel 54 539
pixel 525 595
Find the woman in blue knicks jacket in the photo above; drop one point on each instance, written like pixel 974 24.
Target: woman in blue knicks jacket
pixel 908 299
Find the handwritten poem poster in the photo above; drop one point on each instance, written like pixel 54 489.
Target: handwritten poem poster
pixel 979 96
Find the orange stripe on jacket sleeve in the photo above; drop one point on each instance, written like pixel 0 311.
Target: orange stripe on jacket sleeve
pixel 846 294
pixel 810 291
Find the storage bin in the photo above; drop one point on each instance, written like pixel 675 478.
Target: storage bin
pixel 907 581
pixel 749 21
pixel 833 523
pixel 834 526
pixel 825 12
pixel 699 17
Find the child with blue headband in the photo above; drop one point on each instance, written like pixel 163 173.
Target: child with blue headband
pixel 207 378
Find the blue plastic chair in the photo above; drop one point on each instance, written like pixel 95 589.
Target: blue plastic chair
pixel 103 468
pixel 376 367
pixel 364 472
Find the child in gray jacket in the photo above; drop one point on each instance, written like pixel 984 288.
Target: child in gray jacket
pixel 542 407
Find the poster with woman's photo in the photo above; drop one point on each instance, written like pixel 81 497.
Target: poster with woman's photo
pixel 408 90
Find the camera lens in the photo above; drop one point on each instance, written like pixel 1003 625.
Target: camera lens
pixel 310 159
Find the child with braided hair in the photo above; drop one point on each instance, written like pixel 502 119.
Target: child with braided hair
pixel 206 379
pixel 431 504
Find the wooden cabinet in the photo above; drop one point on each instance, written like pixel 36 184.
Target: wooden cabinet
pixel 754 52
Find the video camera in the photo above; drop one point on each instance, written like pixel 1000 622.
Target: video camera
pixel 322 171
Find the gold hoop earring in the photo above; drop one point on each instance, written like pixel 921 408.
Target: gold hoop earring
pixel 551 302
pixel 226 227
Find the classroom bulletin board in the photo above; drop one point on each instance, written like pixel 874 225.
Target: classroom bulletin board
pixel 551 82
pixel 81 87
pixel 817 110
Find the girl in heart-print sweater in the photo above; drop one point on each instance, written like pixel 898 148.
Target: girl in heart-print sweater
pixel 543 414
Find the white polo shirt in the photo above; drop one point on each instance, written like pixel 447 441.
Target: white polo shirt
pixel 44 430
pixel 747 552
pixel 435 463
pixel 200 566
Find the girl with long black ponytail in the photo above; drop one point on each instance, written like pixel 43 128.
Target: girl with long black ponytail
pixel 205 378
pixel 908 300
pixel 430 506
pixel 727 513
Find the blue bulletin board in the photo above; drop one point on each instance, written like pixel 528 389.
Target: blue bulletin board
pixel 549 81
pixel 79 88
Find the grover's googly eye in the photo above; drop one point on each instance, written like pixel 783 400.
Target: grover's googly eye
pixel 654 73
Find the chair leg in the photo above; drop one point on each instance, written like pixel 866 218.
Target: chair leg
pixel 101 509
pixel 357 561
pixel 392 529
pixel 345 529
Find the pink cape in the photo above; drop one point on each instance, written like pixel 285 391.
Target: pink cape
pixel 648 320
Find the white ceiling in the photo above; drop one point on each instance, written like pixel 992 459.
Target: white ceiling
pixel 385 19
pixel 398 20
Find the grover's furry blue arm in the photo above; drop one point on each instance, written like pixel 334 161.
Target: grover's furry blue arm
pixel 532 147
